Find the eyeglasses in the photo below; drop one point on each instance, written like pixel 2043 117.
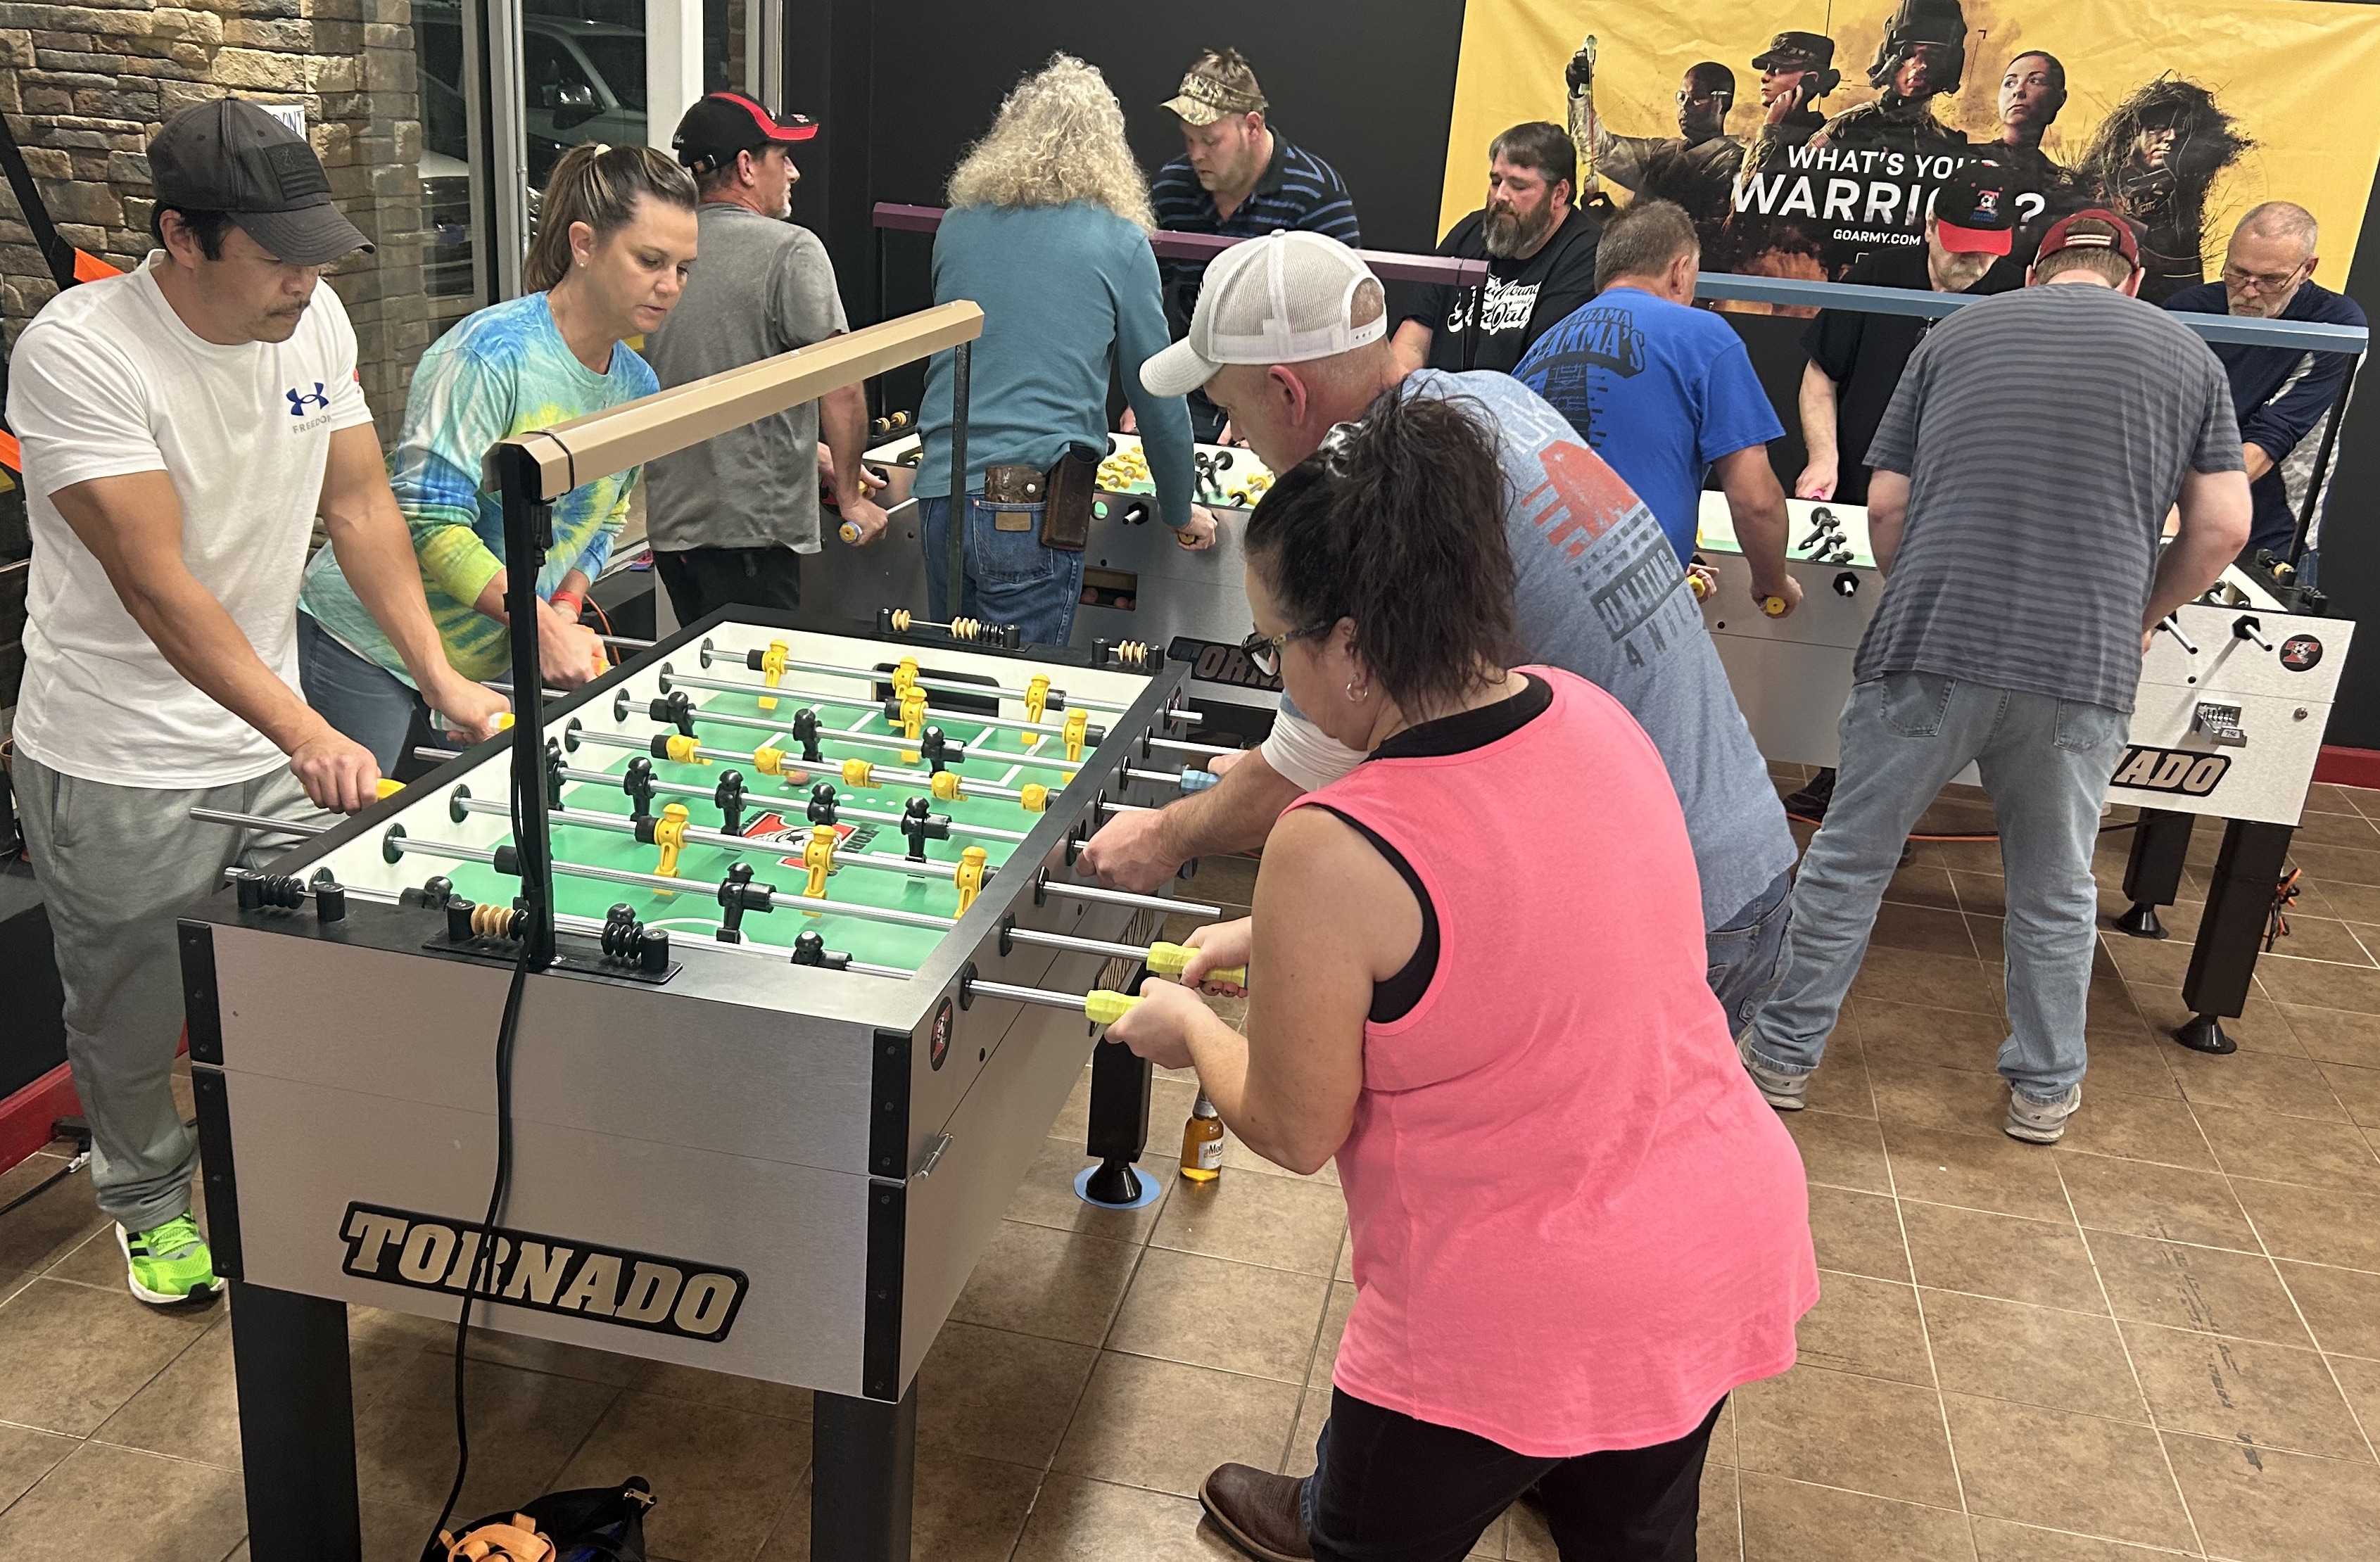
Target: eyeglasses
pixel 1264 649
pixel 2263 282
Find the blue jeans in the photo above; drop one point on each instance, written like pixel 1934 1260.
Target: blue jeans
pixel 1747 955
pixel 361 699
pixel 2046 763
pixel 1011 578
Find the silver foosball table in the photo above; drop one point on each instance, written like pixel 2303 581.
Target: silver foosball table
pixel 711 1016
pixel 2235 693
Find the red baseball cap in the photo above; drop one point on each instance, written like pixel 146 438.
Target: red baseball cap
pixel 1975 210
pixel 723 124
pixel 2121 239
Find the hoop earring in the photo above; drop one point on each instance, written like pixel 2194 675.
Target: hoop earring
pixel 1356 695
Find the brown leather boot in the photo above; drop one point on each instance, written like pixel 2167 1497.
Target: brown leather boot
pixel 1258 1511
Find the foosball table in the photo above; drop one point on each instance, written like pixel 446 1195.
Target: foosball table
pixel 712 1016
pixel 2227 722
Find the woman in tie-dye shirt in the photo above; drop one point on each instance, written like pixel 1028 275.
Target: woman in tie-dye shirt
pixel 610 259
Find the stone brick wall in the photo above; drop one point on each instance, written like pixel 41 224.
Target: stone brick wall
pixel 86 86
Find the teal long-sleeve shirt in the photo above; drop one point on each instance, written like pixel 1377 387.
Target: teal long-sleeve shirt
pixel 1068 293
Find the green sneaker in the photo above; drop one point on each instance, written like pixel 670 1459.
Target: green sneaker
pixel 168 1264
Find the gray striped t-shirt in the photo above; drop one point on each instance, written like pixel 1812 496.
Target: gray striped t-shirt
pixel 2044 434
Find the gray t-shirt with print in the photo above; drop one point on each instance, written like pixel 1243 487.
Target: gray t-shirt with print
pixel 1600 592
pixel 759 287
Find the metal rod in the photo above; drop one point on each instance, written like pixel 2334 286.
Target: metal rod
pixel 1178 747
pixel 734 686
pixel 633 645
pixel 897 744
pixel 1122 898
pixel 255 821
pixel 1163 777
pixel 615 825
pixel 1041 996
pixel 1078 946
pixel 1059 698
pixel 1108 807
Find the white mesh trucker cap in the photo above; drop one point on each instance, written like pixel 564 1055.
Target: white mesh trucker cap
pixel 1282 298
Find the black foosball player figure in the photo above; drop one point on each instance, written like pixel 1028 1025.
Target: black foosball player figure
pixel 636 781
pixel 920 824
pixel 806 732
pixel 821 809
pixel 730 798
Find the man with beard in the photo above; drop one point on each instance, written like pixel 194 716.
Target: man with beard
pixel 2154 160
pixel 2284 396
pixel 1922 55
pixel 1540 253
pixel 2032 92
pixel 1696 168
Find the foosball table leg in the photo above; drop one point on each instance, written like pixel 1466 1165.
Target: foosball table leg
pixel 863 1469
pixel 297 1425
pixel 1119 1121
pixel 2152 872
pixel 2232 931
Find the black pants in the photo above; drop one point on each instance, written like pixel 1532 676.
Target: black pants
pixel 704 580
pixel 1393 1489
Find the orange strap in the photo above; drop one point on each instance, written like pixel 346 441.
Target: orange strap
pixel 11 455
pixel 91 268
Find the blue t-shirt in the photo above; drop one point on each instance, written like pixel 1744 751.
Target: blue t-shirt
pixel 1659 390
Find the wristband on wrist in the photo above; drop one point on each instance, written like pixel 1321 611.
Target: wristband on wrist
pixel 573 611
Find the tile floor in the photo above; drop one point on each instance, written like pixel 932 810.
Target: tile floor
pixel 2162 1337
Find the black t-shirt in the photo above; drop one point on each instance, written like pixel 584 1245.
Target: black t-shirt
pixel 1522 297
pixel 1864 354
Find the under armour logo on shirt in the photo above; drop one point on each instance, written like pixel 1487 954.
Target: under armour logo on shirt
pixel 300 399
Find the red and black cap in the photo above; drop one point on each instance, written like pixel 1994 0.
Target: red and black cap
pixel 1974 212
pixel 2107 230
pixel 723 124
pixel 231 156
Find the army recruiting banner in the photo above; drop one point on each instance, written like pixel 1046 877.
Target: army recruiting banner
pixel 1803 136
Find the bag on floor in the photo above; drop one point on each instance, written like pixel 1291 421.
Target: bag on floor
pixel 595 1524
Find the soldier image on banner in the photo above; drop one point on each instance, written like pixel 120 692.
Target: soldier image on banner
pixel 2154 159
pixel 1697 167
pixel 1921 57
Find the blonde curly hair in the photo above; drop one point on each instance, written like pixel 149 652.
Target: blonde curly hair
pixel 1058 137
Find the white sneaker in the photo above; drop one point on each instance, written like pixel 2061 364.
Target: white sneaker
pixel 2038 1122
pixel 1787 1093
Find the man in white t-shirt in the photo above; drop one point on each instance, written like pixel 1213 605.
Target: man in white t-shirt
pixel 182 427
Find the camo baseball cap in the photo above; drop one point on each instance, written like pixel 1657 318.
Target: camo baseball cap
pixel 1220 83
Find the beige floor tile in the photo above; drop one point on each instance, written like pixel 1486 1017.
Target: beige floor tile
pixel 1867 1326
pixel 669 1381
pixel 1163 1425
pixel 1787 1520
pixel 1346 1270
pixel 190 1410
pixel 1840 1082
pixel 1077 1520
pixel 2205 1288
pixel 2360 1380
pixel 963 1510
pixel 996 1395
pixel 2335 1036
pixel 1842 1152
pixel 2036 1261
pixel 2044 1467
pixel 75 1356
pixel 1944 1038
pixel 1943 981
pixel 2132 1068
pixel 2324 986
pixel 1718 1524
pixel 2311 937
pixel 1313 1411
pixel 524 1426
pixel 1857 1234
pixel 1237 1157
pixel 2034 1355
pixel 2256 1395
pixel 2317 1225
pixel 2263 1081
pixel 35 1237
pixel 1170 1101
pixel 1837 1429
pixel 1985 1171
pixel 1275 1221
pixel 2143 1200
pixel 725 1475
pixel 1326 1341
pixel 1945 1100
pixel 1211 1312
pixel 106 1504
pixel 1996 1540
pixel 2284 1149
pixel 25 1457
pixel 2259 1505
pixel 2342 1307
pixel 1060 1285
pixel 1046 1196
pixel 2357 1089
pixel 2147 1128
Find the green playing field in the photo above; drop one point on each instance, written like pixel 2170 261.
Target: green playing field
pixel 775 821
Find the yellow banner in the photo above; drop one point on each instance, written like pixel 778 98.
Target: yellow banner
pixel 2207 109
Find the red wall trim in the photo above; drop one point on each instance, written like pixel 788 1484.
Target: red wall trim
pixel 2348 767
pixel 25 1116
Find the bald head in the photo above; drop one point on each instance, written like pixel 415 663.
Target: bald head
pixel 2270 256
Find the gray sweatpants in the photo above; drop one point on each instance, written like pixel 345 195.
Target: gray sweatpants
pixel 117 865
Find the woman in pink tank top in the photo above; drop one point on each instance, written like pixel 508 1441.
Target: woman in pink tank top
pixel 1477 978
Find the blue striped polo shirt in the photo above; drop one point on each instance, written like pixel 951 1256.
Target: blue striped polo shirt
pixel 1297 190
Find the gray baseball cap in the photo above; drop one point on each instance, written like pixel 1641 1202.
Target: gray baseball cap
pixel 231 156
